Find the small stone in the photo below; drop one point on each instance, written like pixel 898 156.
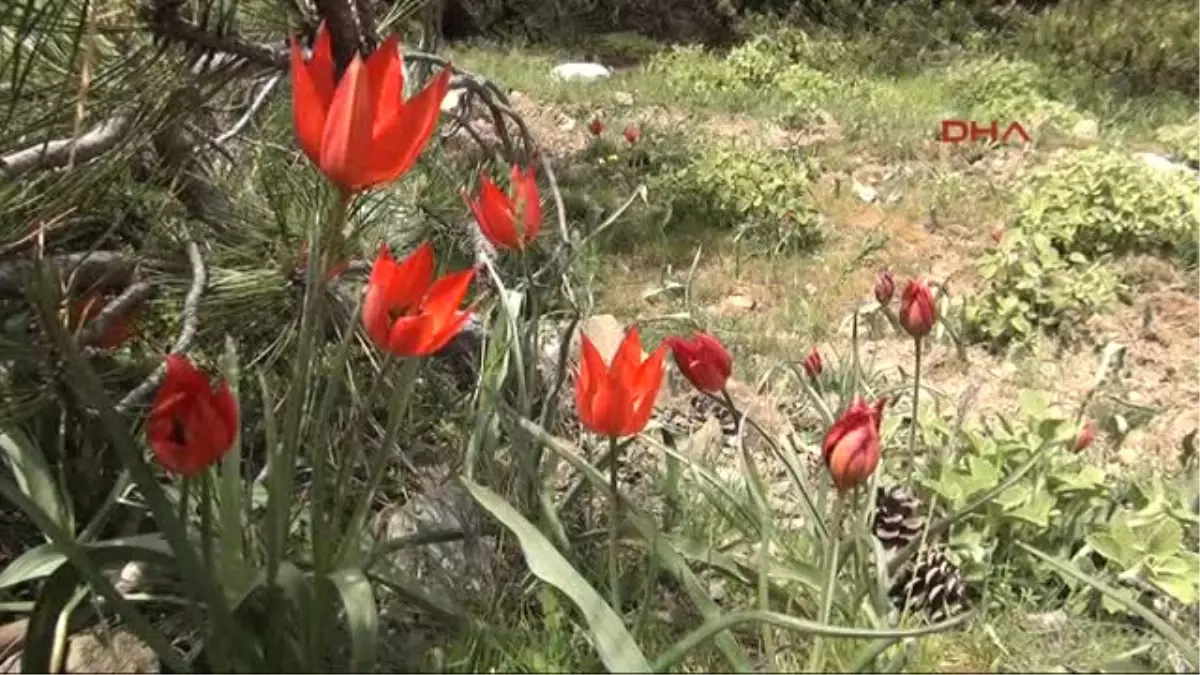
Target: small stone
pixel 452 99
pixel 1086 129
pixel 581 71
pixel 866 193
pixel 623 98
pixel 566 122
pixel 739 303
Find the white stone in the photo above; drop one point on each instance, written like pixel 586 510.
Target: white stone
pixel 1161 163
pixel 581 71
pixel 1086 129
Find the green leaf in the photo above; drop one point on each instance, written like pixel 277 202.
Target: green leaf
pixel 1015 496
pixel 49 624
pixel 42 561
pixel 362 617
pixel 34 477
pixel 1187 648
pixel 1165 539
pixel 1037 511
pixel 615 646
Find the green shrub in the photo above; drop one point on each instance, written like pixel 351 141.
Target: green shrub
pixel 693 72
pixel 1136 47
pixel 1100 201
pixel 727 185
pixel 1029 285
pixel 1007 91
pixel 1181 141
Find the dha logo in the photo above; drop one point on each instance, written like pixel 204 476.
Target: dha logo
pixel 957 131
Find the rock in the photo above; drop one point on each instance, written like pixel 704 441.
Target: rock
pixel 623 98
pixel 1047 622
pixel 116 652
pixel 453 98
pixel 581 71
pixel 461 569
pixel 566 122
pixel 1156 161
pixel 865 192
pixel 1086 129
pixel 737 304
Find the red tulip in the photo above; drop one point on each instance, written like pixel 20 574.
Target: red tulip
pixel 703 360
pixel 596 127
pixel 498 214
pixel 632 134
pixel 813 365
pixel 358 130
pixel 190 425
pixel 406 311
pixel 885 286
pixel 1087 434
pixel 851 446
pixel 89 307
pixel 918 311
pixel 617 400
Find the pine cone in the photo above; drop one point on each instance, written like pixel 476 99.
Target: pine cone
pixel 932 585
pixel 898 519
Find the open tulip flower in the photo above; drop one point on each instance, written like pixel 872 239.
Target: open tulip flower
pixel 498 214
pixel 190 425
pixel 406 311
pixel 851 447
pixel 703 360
pixel 617 400
pixel 359 131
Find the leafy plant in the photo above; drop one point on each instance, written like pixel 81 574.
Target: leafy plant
pixel 760 191
pixel 1099 201
pixel 1030 286
pixel 1051 506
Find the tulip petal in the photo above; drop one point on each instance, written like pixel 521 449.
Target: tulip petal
pixel 592 372
pixel 308 107
pixel 527 202
pixel 650 380
pixel 411 279
pixel 385 71
pixel 627 360
pixel 395 148
pixel 347 137
pixel 446 294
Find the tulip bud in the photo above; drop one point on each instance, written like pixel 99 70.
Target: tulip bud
pixel 813 364
pixel 997 235
pixel 632 134
pixel 1087 434
pixel 918 311
pixel 885 286
pixel 596 127
pixel 851 447
pixel 703 360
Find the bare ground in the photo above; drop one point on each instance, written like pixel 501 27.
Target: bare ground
pixel 1160 370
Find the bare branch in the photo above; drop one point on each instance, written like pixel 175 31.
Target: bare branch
pixel 191 321
pixel 255 106
pixel 99 270
pixel 118 307
pixel 54 154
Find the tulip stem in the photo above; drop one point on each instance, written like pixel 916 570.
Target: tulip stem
pixel 614 523
pixel 915 422
pixel 835 536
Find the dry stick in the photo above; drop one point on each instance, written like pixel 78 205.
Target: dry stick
pixel 191 322
pixel 116 308
pixel 259 101
pixel 60 153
